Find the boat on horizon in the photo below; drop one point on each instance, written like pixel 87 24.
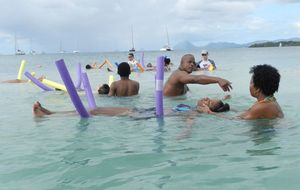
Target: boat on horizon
pixel 17 50
pixel 167 47
pixel 132 49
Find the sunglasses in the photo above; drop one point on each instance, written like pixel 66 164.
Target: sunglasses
pixel 204 54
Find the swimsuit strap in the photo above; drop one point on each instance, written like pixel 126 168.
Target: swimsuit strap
pixel 267 99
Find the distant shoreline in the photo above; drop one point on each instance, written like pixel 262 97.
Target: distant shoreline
pixel 276 44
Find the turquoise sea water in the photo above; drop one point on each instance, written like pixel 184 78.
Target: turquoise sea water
pixel 57 152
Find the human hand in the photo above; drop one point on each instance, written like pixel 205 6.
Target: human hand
pixel 203 109
pixel 226 97
pixel 225 84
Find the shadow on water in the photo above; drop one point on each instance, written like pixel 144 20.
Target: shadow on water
pixel 83 124
pixel 262 132
pixel 158 139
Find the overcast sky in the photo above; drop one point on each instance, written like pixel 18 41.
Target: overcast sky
pixel 98 25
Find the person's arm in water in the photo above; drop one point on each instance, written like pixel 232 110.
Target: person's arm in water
pixel 113 89
pixel 203 79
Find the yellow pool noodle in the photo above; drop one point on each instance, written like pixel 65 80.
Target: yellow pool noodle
pixel 21 70
pixel 33 74
pixel 211 67
pixel 54 84
pixel 110 80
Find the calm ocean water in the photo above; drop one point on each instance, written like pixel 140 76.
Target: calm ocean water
pixel 58 152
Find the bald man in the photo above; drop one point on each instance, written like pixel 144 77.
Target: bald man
pixel 177 82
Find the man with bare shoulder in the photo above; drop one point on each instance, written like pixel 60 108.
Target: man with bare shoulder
pixel 124 86
pixel 264 83
pixel 177 82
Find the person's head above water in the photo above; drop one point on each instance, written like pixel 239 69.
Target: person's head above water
pixel 214 105
pixel 88 66
pixel 130 56
pixel 167 61
pixel 104 89
pixel 124 69
pixel 149 65
pixel 265 79
pixel 187 63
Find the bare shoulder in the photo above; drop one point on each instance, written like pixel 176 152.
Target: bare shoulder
pixel 263 110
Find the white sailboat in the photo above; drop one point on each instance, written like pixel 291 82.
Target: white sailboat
pixel 280 44
pixel 17 50
pixel 166 47
pixel 60 48
pixel 132 49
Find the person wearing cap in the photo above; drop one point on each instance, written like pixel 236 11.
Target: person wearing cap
pixel 176 85
pixel 132 62
pixel 124 86
pixel 205 63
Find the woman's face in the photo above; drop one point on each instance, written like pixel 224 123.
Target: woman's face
pixel 252 89
pixel 211 103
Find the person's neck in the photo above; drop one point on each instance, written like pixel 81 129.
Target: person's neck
pixel 260 97
pixel 124 78
pixel 263 97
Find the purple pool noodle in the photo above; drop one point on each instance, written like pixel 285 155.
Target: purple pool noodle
pixel 159 83
pixel 37 82
pixel 63 71
pixel 88 91
pixel 142 60
pixel 78 82
pixel 116 63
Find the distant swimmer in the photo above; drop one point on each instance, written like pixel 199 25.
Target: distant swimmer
pixel 104 89
pixel 176 85
pixel 132 62
pixel 205 63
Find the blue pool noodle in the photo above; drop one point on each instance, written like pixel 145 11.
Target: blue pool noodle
pixel 64 73
pixel 159 83
pixel 88 91
pixel 37 82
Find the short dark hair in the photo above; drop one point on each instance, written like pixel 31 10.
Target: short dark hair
pixel 167 61
pixel 104 89
pixel 266 78
pixel 221 107
pixel 131 54
pixel 124 69
pixel 88 66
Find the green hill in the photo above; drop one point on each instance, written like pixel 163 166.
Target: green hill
pixel 276 44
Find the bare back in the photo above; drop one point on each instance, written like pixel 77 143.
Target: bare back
pixel 124 87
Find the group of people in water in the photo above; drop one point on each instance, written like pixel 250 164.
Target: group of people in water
pixel 264 83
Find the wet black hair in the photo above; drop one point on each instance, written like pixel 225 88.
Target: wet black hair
pixel 124 69
pixel 167 61
pixel 149 65
pixel 104 89
pixel 265 78
pixel 221 107
pixel 88 66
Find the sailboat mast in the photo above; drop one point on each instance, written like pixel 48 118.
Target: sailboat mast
pixel 15 44
pixel 132 37
pixel 168 37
